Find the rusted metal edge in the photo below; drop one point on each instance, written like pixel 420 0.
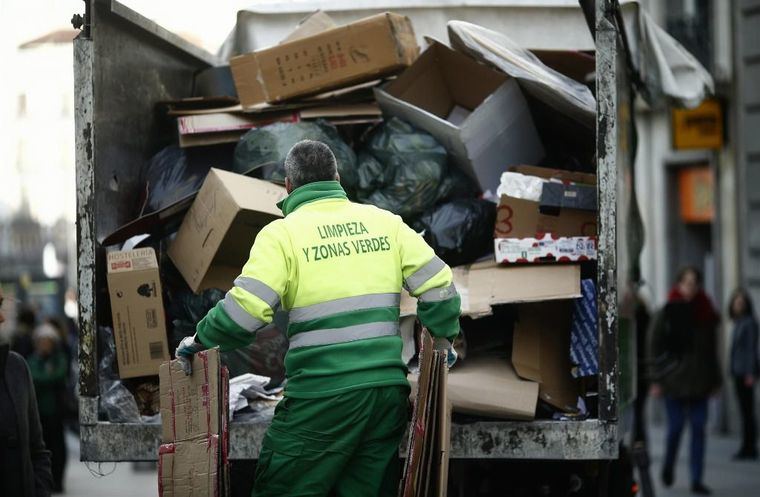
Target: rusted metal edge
pixel 606 151
pixel 86 244
pixel 558 440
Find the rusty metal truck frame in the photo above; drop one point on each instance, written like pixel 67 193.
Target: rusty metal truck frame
pixel 125 63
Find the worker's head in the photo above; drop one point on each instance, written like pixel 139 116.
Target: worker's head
pixel 309 161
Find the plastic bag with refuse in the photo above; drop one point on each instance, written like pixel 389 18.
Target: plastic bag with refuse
pixel 460 231
pixel 267 147
pixel 174 173
pixel 401 169
pixel 116 401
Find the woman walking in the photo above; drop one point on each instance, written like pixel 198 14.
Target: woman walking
pixel 745 367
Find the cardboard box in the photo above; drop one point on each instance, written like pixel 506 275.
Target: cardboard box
pixel 191 468
pixel 486 284
pixel 545 249
pixel 520 218
pixel 363 50
pixel 192 406
pixel 478 114
pixel 216 236
pixel 541 352
pixel 137 308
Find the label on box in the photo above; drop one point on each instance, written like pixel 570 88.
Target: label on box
pixel 545 249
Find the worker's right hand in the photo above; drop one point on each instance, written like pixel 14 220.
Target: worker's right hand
pixel 185 351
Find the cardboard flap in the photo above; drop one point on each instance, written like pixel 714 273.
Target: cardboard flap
pixel 560 174
pixel 541 352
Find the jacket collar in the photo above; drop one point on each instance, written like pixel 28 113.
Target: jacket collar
pixel 319 190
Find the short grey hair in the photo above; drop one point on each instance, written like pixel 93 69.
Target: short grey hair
pixel 309 161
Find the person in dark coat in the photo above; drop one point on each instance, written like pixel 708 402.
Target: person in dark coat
pixel 24 461
pixel 745 367
pixel 683 346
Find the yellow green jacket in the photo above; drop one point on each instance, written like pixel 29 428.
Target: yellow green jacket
pixel 338 268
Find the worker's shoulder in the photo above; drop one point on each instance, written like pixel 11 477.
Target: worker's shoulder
pixel 372 210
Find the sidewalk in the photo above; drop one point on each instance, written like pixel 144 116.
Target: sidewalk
pixel 725 477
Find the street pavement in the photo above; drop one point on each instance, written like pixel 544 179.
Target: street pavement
pixel 726 477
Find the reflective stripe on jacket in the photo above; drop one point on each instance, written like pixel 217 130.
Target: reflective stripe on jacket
pixel 338 268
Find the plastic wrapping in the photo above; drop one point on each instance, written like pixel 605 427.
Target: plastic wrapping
pixel 116 401
pixel 401 169
pixel 267 147
pixel 565 94
pixel 460 231
pixel 522 186
pixel 174 173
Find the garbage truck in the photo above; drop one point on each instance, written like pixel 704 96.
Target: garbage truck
pixel 124 63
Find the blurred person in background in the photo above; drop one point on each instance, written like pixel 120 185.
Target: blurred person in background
pixel 683 353
pixel 50 372
pixel 745 367
pixel 24 461
pixel 21 339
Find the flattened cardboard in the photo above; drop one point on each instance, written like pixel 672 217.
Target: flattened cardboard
pixel 216 236
pixel 191 406
pixel 489 386
pixel 486 284
pixel 223 127
pixel 190 469
pixel 137 309
pixel 497 133
pixel 360 51
pixel 540 352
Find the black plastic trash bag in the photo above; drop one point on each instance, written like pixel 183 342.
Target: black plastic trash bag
pixel 267 147
pixel 173 173
pixel 117 403
pixel 460 231
pixel 401 169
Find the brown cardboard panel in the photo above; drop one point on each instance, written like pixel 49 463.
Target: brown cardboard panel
pixel 520 218
pixel 489 386
pixel 541 351
pixel 215 238
pixel 486 284
pixel 137 309
pixel 190 469
pixel 561 174
pixel 190 405
pixel 366 49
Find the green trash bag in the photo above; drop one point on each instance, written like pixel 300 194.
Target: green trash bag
pixel 401 169
pixel 266 147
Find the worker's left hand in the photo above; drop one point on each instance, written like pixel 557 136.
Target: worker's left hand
pixel 451 353
pixel 184 353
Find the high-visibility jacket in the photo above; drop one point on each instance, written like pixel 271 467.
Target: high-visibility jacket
pixel 338 268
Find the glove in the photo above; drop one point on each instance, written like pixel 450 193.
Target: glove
pixel 185 351
pixel 451 353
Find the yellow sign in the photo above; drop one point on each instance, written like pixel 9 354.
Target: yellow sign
pixel 698 128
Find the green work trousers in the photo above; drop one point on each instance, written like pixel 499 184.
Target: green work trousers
pixel 346 445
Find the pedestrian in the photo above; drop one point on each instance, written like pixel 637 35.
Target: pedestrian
pixel 24 461
pixel 338 268
pixel 21 340
pixel 745 367
pixel 49 372
pixel 684 353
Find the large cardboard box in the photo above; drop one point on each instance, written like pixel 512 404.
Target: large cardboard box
pixel 486 284
pixel 541 352
pixel 216 236
pixel 361 51
pixel 137 308
pixel 478 114
pixel 521 218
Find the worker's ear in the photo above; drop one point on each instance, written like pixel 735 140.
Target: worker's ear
pixel 288 185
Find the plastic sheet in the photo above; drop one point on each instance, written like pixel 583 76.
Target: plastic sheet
pixel 460 231
pixel 401 169
pixel 267 147
pixel 173 173
pixel 567 95
pixel 116 401
pixel 518 185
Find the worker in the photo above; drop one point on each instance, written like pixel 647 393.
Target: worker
pixel 338 268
